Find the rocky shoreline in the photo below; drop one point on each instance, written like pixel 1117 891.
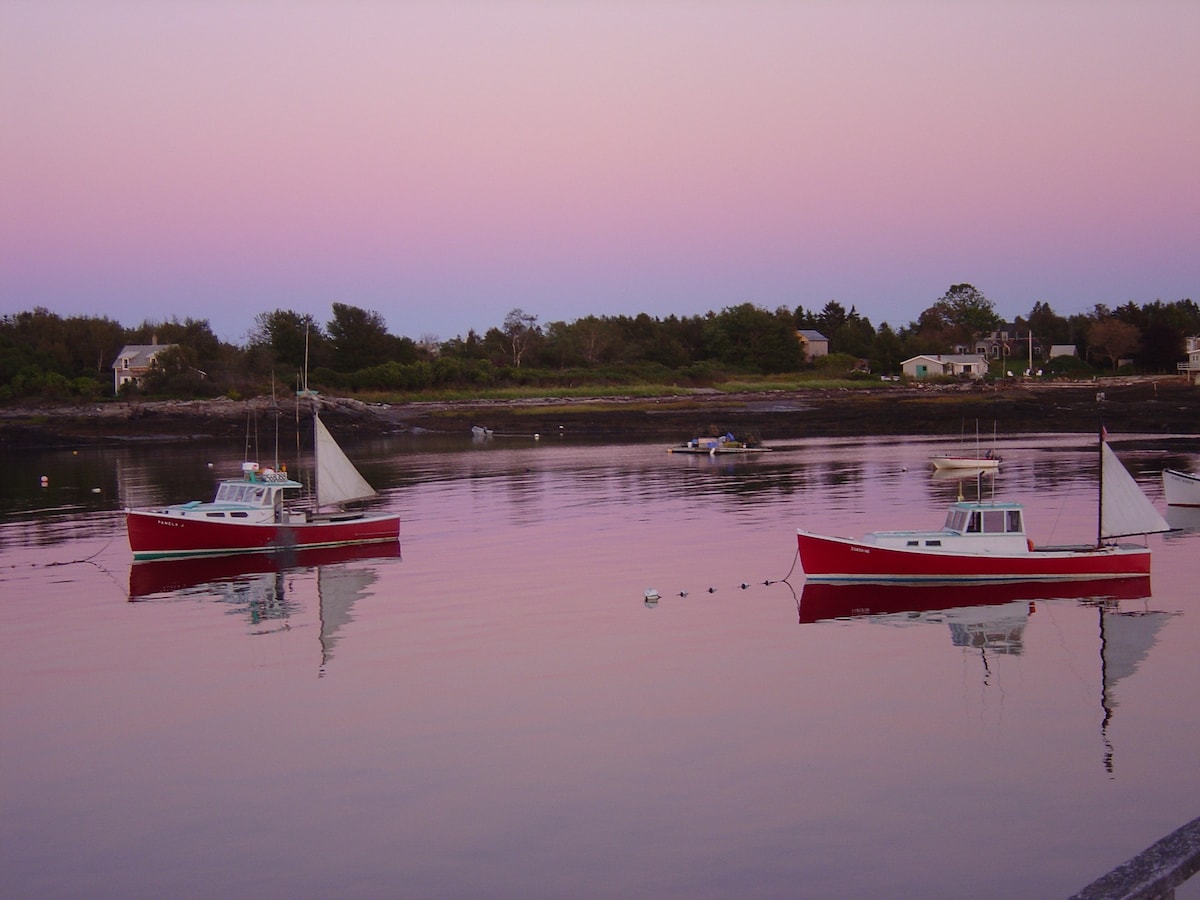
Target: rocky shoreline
pixel 1148 405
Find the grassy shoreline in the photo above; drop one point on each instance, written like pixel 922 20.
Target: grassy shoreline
pixel 1156 406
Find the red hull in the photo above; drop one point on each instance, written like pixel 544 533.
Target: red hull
pixel 823 600
pixel 839 559
pixel 152 535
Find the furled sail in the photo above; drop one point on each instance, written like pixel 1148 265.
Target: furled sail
pixel 1124 509
pixel 337 479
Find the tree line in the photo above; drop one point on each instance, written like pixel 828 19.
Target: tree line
pixel 44 355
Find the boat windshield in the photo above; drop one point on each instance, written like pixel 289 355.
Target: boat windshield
pixel 254 494
pixel 988 521
pixel 956 519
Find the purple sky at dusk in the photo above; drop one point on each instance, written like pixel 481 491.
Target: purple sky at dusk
pixel 442 163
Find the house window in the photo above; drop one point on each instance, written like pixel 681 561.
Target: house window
pixel 125 362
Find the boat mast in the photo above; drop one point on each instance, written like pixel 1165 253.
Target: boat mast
pixel 1100 483
pixel 316 443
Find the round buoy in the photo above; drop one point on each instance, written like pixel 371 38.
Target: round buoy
pixel 45 481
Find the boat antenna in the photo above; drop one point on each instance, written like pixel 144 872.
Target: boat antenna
pixel 251 433
pixel 306 359
pixel 275 410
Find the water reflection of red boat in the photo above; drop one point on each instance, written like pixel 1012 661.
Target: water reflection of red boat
pixel 160 576
pixel 824 600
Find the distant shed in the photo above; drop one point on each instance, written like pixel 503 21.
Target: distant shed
pixel 813 343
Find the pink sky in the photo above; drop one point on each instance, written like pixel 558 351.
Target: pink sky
pixel 442 163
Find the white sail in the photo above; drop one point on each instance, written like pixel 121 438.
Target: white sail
pixel 337 479
pixel 1124 509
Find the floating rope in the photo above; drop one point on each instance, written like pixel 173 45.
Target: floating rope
pixel 652 596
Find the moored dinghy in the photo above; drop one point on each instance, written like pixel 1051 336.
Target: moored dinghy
pixel 980 459
pixel 986 541
pixel 719 444
pixel 1181 488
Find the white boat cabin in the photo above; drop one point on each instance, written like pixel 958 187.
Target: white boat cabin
pixel 971 527
pixel 255 498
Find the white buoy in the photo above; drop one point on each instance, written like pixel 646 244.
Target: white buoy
pixel 45 481
pixel 651 595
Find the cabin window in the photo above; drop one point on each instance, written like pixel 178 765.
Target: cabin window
pixel 259 493
pixel 214 515
pixel 993 521
pixel 238 515
pixel 933 543
pixel 1014 520
pixel 913 544
pixel 973 526
pixel 234 493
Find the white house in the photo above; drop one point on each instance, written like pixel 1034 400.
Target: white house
pixel 1191 368
pixel 970 365
pixel 813 343
pixel 134 361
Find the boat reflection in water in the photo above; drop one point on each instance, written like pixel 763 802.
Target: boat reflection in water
pixel 833 600
pixel 1183 518
pixel 992 618
pixel 260 584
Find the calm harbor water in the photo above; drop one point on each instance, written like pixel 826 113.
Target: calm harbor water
pixel 495 710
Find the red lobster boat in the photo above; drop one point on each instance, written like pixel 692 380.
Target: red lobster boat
pixel 251 514
pixel 986 541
